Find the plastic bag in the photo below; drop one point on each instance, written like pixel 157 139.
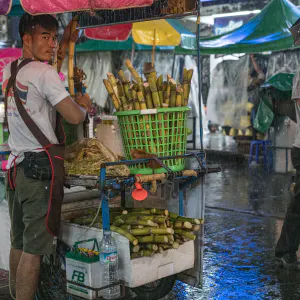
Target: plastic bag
pixel 264 116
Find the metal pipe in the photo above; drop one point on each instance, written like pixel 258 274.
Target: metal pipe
pixel 181 198
pixel 173 65
pixel 199 74
pixel 146 160
pixel 141 20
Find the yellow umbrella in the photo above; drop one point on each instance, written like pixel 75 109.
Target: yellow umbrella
pixel 157 32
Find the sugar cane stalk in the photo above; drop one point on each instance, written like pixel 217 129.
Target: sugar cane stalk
pixel 155 96
pixel 149 253
pixel 114 98
pixel 137 232
pixel 167 95
pixel 196 228
pixel 160 89
pixel 148 96
pixel 134 249
pixel 190 76
pixel 135 74
pixel 126 234
pixel 125 227
pixel 186 234
pixel 192 220
pixel 162 231
pixel 173 93
pixel 149 178
pixel 113 81
pixel 175 245
pixel 136 103
pixel 137 254
pixel 152 247
pixel 185 86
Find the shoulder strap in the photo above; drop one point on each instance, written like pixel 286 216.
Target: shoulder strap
pixel 37 133
pixel 9 86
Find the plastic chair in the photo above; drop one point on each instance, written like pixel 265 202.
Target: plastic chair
pixel 267 159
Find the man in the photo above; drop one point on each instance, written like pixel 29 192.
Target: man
pixel 289 240
pixel 37 93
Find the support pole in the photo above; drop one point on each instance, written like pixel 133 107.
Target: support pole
pixel 173 65
pixel 199 74
pixel 104 197
pixel 200 238
pixel 181 203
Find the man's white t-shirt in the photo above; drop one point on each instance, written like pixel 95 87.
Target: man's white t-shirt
pixel 40 89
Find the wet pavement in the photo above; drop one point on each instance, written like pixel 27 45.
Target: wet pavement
pixel 244 214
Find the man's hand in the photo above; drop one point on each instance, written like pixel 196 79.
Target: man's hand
pixel 84 101
pixel 68 36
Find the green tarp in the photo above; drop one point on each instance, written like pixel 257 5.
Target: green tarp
pixel 93 45
pixel 267 31
pixel 281 81
pixel 276 96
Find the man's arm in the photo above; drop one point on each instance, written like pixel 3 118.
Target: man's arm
pixel 74 112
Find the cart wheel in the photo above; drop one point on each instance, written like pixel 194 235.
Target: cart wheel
pixel 156 289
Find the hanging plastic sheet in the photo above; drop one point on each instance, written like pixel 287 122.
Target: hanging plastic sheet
pixel 190 63
pixel 228 97
pixel 163 62
pixel 283 62
pixel 109 33
pixel 94 65
pixel 60 6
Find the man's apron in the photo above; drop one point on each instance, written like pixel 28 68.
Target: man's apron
pixel 55 153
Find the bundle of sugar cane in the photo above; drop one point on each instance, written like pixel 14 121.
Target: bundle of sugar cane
pixel 149 230
pixel 154 91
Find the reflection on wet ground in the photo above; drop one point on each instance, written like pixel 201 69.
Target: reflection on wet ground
pixel 244 212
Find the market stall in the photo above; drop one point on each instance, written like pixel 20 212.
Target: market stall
pixel 151 112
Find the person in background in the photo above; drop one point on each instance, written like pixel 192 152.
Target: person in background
pixel 289 240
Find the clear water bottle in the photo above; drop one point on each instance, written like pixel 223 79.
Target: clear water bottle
pixel 109 266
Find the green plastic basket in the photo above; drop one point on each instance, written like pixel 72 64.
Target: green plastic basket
pixel 159 131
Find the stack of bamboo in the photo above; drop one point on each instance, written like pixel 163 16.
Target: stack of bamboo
pixel 149 231
pixel 153 93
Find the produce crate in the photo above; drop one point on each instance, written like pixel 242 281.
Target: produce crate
pixel 159 131
pixel 139 271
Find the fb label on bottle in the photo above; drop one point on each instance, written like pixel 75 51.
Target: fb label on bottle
pixel 107 258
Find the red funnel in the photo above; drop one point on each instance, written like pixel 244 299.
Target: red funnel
pixel 139 194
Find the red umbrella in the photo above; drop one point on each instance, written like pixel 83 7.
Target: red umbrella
pixel 119 32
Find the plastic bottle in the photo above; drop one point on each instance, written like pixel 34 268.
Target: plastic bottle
pixel 109 266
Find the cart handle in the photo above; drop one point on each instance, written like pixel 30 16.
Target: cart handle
pixel 86 241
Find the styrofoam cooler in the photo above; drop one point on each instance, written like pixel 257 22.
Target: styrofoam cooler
pixel 139 271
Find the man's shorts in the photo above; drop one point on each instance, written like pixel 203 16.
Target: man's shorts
pixel 28 205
